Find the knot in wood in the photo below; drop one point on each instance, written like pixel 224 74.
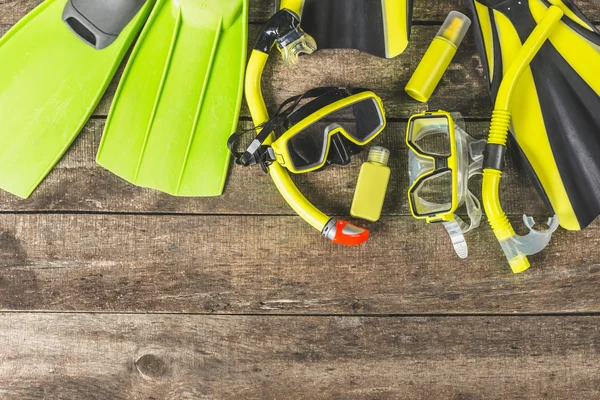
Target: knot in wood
pixel 151 366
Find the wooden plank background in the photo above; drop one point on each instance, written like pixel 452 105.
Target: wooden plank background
pixel 109 291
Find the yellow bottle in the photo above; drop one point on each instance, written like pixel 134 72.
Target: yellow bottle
pixel 438 56
pixel 372 186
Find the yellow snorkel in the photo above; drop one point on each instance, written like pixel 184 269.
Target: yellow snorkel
pixel 515 247
pixel 283 30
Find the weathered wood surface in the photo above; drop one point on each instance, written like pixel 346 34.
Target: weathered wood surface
pixel 190 357
pixel 250 264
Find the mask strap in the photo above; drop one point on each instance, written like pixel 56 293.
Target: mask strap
pixel 457 228
pixel 257 152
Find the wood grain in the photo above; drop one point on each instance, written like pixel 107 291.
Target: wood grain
pixel 191 357
pixel 252 264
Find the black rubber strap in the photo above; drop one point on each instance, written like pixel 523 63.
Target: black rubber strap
pixel 256 153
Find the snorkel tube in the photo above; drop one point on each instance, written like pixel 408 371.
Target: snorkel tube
pixel 515 247
pixel 283 30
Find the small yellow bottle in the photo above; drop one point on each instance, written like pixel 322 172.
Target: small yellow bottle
pixel 372 186
pixel 438 56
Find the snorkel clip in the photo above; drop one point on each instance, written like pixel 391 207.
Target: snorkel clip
pixel 257 153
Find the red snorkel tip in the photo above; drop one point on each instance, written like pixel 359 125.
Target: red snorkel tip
pixel 345 233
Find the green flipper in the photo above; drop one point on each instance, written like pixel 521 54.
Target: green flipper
pixel 180 98
pixel 51 80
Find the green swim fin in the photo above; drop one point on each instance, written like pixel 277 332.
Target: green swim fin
pixel 180 98
pixel 378 27
pixel 556 107
pixel 57 62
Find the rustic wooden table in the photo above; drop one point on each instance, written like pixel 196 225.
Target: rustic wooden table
pixel 109 291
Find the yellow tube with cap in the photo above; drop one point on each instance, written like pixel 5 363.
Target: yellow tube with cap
pixel 438 56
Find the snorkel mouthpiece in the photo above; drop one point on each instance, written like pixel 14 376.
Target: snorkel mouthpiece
pixel 296 43
pixel 284 31
pixel 345 233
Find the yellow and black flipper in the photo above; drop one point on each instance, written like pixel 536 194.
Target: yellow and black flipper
pixel 378 27
pixel 541 58
pixel 556 102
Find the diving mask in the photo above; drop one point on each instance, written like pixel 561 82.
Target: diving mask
pixel 442 160
pixel 334 125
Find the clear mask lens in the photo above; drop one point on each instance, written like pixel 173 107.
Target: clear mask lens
pixel 431 136
pixel 433 195
pixel 431 140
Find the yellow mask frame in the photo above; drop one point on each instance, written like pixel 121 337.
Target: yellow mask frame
pixel 440 164
pixel 284 145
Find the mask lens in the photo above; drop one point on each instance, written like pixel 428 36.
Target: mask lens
pixel 361 121
pixel 307 149
pixel 418 166
pixel 433 195
pixel 431 136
